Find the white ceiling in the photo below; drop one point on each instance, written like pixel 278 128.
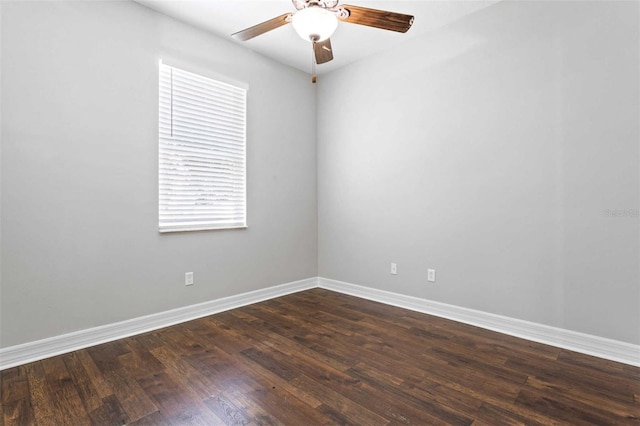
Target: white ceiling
pixel 350 42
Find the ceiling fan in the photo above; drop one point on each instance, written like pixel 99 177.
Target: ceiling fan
pixel 316 20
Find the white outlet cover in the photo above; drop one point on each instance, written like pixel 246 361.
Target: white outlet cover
pixel 431 275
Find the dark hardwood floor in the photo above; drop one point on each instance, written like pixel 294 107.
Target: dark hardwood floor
pixel 315 358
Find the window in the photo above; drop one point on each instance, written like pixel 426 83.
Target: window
pixel 202 156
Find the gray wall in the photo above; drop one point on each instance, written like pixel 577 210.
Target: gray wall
pixel 491 151
pixel 80 245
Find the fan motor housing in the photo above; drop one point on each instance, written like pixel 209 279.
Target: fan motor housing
pixel 326 4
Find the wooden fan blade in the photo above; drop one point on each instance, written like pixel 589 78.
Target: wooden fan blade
pixel 263 27
pixel 377 18
pixel 323 52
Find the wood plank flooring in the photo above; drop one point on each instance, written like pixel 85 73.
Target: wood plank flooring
pixel 315 358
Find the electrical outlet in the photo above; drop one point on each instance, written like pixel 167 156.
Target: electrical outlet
pixel 188 278
pixel 431 275
pixel 394 269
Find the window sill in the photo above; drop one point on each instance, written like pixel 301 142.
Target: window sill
pixel 204 228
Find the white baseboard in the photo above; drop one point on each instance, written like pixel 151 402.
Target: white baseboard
pixel 579 342
pixel 33 351
pixel 614 350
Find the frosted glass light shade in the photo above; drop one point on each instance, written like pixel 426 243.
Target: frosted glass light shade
pixel 314 23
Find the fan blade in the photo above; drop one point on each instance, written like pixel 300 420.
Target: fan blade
pixel 377 18
pixel 323 52
pixel 263 27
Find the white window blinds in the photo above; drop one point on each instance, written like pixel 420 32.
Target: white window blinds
pixel 202 173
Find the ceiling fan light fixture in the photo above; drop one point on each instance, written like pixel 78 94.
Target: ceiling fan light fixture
pixel 314 23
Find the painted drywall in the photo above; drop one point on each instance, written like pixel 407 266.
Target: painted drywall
pixel 502 151
pixel 80 242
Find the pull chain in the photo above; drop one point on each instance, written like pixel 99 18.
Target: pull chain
pixel 313 61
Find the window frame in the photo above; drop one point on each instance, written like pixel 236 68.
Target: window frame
pixel 206 224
